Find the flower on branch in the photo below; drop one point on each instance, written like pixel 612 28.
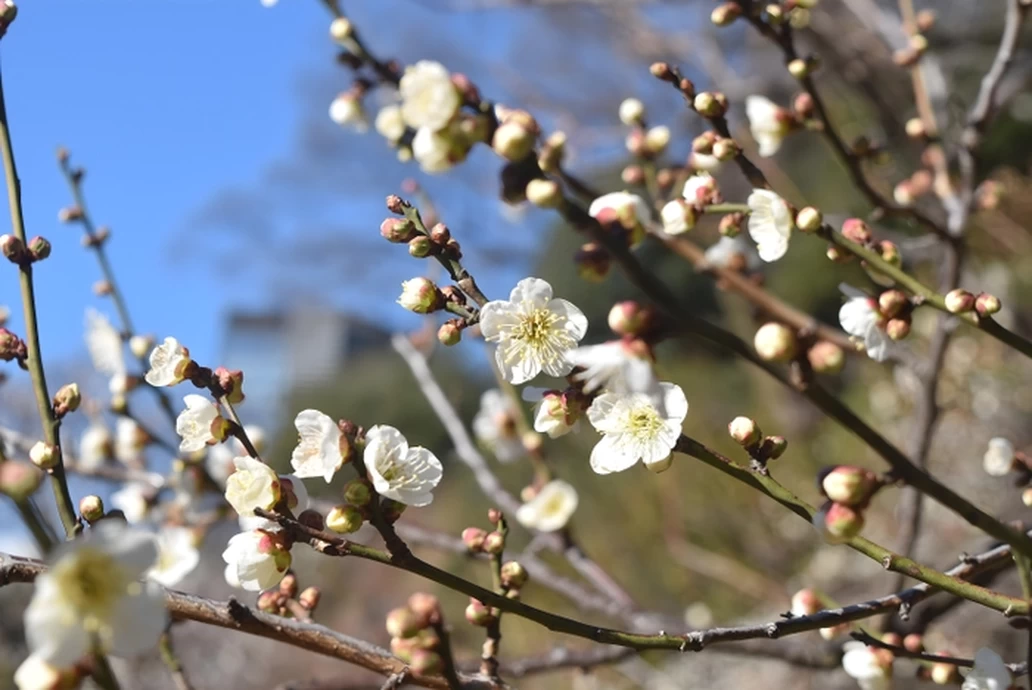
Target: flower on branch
pixel 92 595
pixel 628 210
pixel 133 500
pixel 990 672
pixel 999 457
pixel 534 331
pixel 494 426
pixel 177 555
pixel 318 452
pixel 551 508
pixel 768 122
pixel 635 427
pixel 104 343
pixel 428 96
pixel 870 667
pixel 770 224
pixel 619 366
pixel 96 447
pixel 404 474
pixel 256 559
pixel 36 674
pixel 861 319
pixel 200 424
pixel 169 363
pixel 253 485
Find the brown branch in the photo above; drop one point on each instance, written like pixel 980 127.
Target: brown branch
pixel 900 651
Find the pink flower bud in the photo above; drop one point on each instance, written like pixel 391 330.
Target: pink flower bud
pixel 959 301
pixel 426 663
pixel 309 598
pixel 478 614
pixel 426 607
pixel 39 248
pixel 731 224
pixel 987 305
pixel 397 230
pixel 450 333
pixel 288 586
pixel 745 431
pixel 826 357
pixel 396 205
pixel 775 342
pixel 91 508
pixel 494 543
pixel 231 382
pixel 13 248
pixel 269 601
pixel 473 538
pixel 805 602
pixel 898 329
pixel 848 485
pixel 838 522
pixel 19 480
pixel 856 230
pixel 403 623
pixel 630 318
pixel 892 302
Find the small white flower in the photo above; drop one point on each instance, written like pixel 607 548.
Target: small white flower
pixel 200 424
pixel 494 426
pixel 389 122
pixel 104 343
pixel 861 319
pixel 95 447
pixel 990 672
pixel 734 252
pixel 129 440
pixel 533 330
pixel 404 474
pixel 636 427
pixel 614 366
pixel 699 189
pixel 346 110
pixel 428 97
pixel 92 594
pixel 133 500
pixel 36 674
pixel 168 363
pixel 678 217
pixel 704 162
pixel 630 210
pixel 871 670
pixel 555 413
pixel 293 491
pixel 230 575
pixel 433 150
pixel 177 556
pixel 631 111
pixel 770 224
pixel 768 122
pixel 551 508
pixel 999 457
pixel 318 449
pixel 256 560
pixel 252 485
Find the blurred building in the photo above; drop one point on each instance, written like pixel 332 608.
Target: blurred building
pixel 281 350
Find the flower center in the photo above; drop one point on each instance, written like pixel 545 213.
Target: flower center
pixel 643 422
pixel 92 582
pixel 553 505
pixel 540 330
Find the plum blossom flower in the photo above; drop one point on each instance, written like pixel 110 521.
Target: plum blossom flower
pixel 130 440
pixel 616 366
pixel 253 485
pixel 556 413
pixel 346 110
pixel 219 460
pixel 861 319
pixel 200 424
pixel 390 123
pixel 678 217
pixel 177 556
pixel 404 474
pixel 256 560
pixel 168 363
pixel 734 253
pixel 999 457
pixel 770 223
pixel 104 343
pixel 494 426
pixel 629 210
pixel 534 331
pixel 92 595
pixel 293 492
pixel 318 451
pixel 428 97
pixel 989 673
pixel 768 122
pixel 36 674
pixel 700 189
pixel 134 500
pixel 551 508
pixel 95 447
pixel 870 667
pixel 635 427
pixel 433 150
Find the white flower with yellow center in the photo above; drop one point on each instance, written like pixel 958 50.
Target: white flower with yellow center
pixel 428 97
pixel 768 122
pixel 219 460
pixel 616 366
pixel 990 672
pixel 551 508
pixel 253 485
pixel 318 447
pixel 96 447
pixel 200 424
pixel 36 674
pixel 870 667
pixel 168 363
pixel 389 122
pixel 404 474
pixel 92 597
pixel 770 224
pixel 635 427
pixel 256 560
pixel 177 556
pixel 104 343
pixel 861 319
pixel 494 426
pixel 534 331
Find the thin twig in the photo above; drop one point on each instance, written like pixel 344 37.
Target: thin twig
pixel 175 666
pixel 900 651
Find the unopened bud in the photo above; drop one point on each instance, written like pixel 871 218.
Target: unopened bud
pixel 358 492
pixel 19 480
pixel 1026 497
pixel 775 342
pixel 709 104
pixel 944 674
pixel 959 301
pixel 987 305
pixel 630 318
pixel 341 29
pixel 898 329
pixel 837 254
pixel 826 357
pixel 403 623
pixel 426 663
pixel 725 14
pixel 775 13
pixel 857 231
pixel 513 141
pixel 397 230
pixel 420 246
pixel 513 575
pixel 838 522
pixel 544 193
pixel 43 455
pixel 69 214
pixel 450 333
pixel 633 175
pixel 67 399
pixel 473 538
pixel 803 106
pixel 344 519
pixel 800 68
pixel 656 140
pixel 805 602
pixel 550 156
pixel 892 302
pixel 11 346
pixel 91 508
pixel 745 431
pixel 705 141
pixel 915 128
pixel 661 70
pixel 39 248
pixel 420 295
pixel 269 601
pixel 231 382
pixel 141 345
pixel 631 111
pixel 395 204
pixel 309 598
pixel 102 288
pixel 731 224
pixel 725 149
pixel 848 485
pixel 809 219
pixel 426 607
pixel 989 195
pixel 773 447
pixel 494 543
pixel 478 614
pixel 494 516
pixel 13 248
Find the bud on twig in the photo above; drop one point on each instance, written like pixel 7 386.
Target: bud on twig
pixel 39 248
pixel 987 305
pixel 959 301
pixel 309 598
pixel 744 431
pixel 403 623
pixel 67 399
pixel 19 480
pixel 450 333
pixel 848 485
pixel 826 357
pixel 43 455
pixel 473 538
pixel 13 249
pixel 344 519
pixel 478 614
pixel 91 508
pixel 494 543
pixel 775 342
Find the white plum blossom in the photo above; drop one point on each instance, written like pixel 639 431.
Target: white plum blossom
pixel 168 363
pixel 346 110
pixel 494 426
pixel 555 413
pixel 293 491
pixel 704 162
pixel 630 210
pixel 871 669
pixel 734 252
pixel 770 224
pixel 404 474
pixel 318 451
pixel 92 595
pixel 256 560
pixel 133 500
pixel 428 97
pixel 631 111
pixel 861 319
pixel 200 424
pixel 219 462
pixel 130 440
pixel 999 457
pixel 768 122
pixel 616 366
pixel 678 217
pixel 177 555
pixel 534 331
pixel 104 343
pixel 636 426
pixel 432 150
pixel 36 674
pixel 699 189
pixel 551 508
pixel 253 485
pixel 389 122
pixel 990 672
pixel 96 447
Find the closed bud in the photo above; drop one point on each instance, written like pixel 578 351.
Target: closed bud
pixel 987 305
pixel 656 140
pixel 420 246
pixel 661 70
pixel 708 104
pixel 341 29
pixel 67 399
pixel 141 345
pixel 631 111
pixel 473 538
pixel 426 607
pixel 398 230
pixel 800 68
pixel 513 141
pixel 705 141
pixel 744 431
pixel 494 543
pixel 774 447
pixel 944 674
pixel 358 492
pixel 450 333
pixel 826 357
pixel 904 194
pixel 420 295
pixel 231 381
pixel 544 193
pixel 913 643
pixel 805 602
pixel 593 262
pixel 775 342
pixel 478 614
pixel 513 575
pixel 11 346
pixel 309 598
pixel 848 485
pixel 440 234
pixel 395 204
pixel 19 480
pixel 725 149
pixel 288 586
pixel 1026 497
pixel 403 623
pixel 13 248
pixel 43 455
pixel 494 516
pixel 856 230
pixel 426 663
pixel 725 14
pixel 269 601
pixel 630 318
pixel 731 224
pixel 892 302
pixel 550 156
pixel 898 328
pixel 69 214
pixel 803 106
pixel 39 248
pixel 915 128
pixel 102 288
pixel 392 510
pixel 959 301
pixel 838 522
pixel 633 175
pixel 837 254
pixel 809 219
pixel 890 253
pixel 344 519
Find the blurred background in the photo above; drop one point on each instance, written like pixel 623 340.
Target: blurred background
pixel 244 223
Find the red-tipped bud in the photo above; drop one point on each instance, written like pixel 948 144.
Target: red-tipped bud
pixel 987 305
pixel 898 329
pixel 848 485
pixel 231 381
pixel 473 538
pixel 856 230
pixel 826 357
pixel 838 522
pixel 478 614
pixel 397 230
pixel 426 607
pixel 745 431
pixel 959 301
pixel 403 623
pixel 309 598
pixel 913 643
